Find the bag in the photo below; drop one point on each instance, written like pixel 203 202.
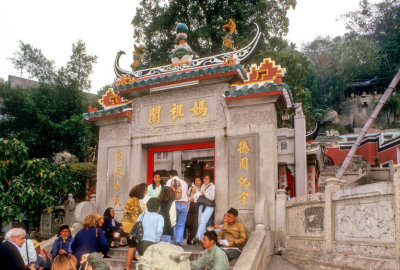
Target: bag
pixel 136 232
pixel 202 199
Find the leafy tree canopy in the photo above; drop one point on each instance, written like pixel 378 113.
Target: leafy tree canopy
pixel 155 21
pixel 47 118
pixel 77 70
pixel 28 186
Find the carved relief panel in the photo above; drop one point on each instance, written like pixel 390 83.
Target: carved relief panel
pixel 368 219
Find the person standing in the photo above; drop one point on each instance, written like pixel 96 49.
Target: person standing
pixel 233 235
pixel 156 186
pixel 168 211
pixel 205 212
pixel 88 239
pixel 212 257
pixel 192 221
pixel 10 257
pixel 153 224
pixel 180 188
pixel 131 214
pixel 62 244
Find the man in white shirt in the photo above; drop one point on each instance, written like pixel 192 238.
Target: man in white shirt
pixel 180 187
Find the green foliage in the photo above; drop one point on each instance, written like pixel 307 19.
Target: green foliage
pixel 28 186
pixel 85 173
pixel 76 71
pixel 391 108
pixel 155 21
pixel 47 118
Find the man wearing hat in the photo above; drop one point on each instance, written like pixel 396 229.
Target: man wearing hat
pixel 62 244
pixel 43 261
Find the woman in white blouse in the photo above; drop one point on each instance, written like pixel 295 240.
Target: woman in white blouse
pixel 205 212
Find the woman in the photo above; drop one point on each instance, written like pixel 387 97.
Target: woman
pixel 88 239
pixel 153 225
pixel 62 244
pixel 192 217
pixel 155 188
pixel 131 214
pixel 168 212
pixel 99 225
pixel 205 212
pixel 64 261
pixel 112 228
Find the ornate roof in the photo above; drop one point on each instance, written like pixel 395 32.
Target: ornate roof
pixel 225 64
pixel 265 79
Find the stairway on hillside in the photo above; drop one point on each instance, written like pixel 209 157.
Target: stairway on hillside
pixel 118 255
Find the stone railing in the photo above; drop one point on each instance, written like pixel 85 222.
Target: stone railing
pixel 259 247
pixel 362 222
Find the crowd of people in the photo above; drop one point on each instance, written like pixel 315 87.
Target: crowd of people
pixel 164 211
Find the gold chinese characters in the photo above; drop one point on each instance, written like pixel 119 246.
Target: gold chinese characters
pixel 243 181
pixel 199 109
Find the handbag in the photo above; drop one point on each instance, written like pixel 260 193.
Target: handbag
pixel 136 232
pixel 203 200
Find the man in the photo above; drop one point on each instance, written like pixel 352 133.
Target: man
pixel 180 188
pixel 212 257
pixel 233 235
pixel 288 193
pixel 10 257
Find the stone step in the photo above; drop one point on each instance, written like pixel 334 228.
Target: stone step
pixel 118 256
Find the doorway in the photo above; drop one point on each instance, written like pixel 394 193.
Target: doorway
pixel 189 160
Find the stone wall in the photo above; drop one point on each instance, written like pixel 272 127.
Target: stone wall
pixel 357 221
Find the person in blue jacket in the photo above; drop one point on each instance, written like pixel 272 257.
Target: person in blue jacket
pixel 112 228
pixel 62 244
pixel 89 239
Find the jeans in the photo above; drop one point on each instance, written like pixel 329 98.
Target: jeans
pixel 203 218
pixel 179 228
pixel 166 238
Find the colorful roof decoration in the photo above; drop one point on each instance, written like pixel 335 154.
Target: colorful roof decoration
pixel 122 110
pixel 240 56
pixel 114 106
pixel 110 99
pixel 200 73
pixel 264 80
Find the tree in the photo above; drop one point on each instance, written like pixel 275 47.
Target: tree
pixel 77 69
pixel 28 186
pixel 379 23
pixel 48 119
pixel 155 21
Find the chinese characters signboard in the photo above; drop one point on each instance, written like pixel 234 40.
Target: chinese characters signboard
pixel 242 173
pixel 116 177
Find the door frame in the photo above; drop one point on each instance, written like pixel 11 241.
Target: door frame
pixel 171 148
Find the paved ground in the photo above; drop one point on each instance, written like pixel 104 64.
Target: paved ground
pixel 279 263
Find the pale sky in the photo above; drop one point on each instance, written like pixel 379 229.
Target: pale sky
pixel 105 27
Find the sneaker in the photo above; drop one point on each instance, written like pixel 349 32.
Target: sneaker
pixel 178 244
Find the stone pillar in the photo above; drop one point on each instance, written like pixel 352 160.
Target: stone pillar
pixel 221 178
pixel 332 185
pixel 396 182
pixel 281 218
pixel 300 151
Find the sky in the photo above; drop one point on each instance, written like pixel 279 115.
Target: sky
pixel 105 27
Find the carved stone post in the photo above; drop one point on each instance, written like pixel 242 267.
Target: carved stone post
pixel 396 181
pixel 332 185
pixel 281 218
pixel 300 151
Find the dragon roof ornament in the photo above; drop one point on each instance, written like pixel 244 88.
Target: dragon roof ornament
pixel 240 56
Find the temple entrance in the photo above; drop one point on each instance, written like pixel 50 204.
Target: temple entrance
pixel 189 160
